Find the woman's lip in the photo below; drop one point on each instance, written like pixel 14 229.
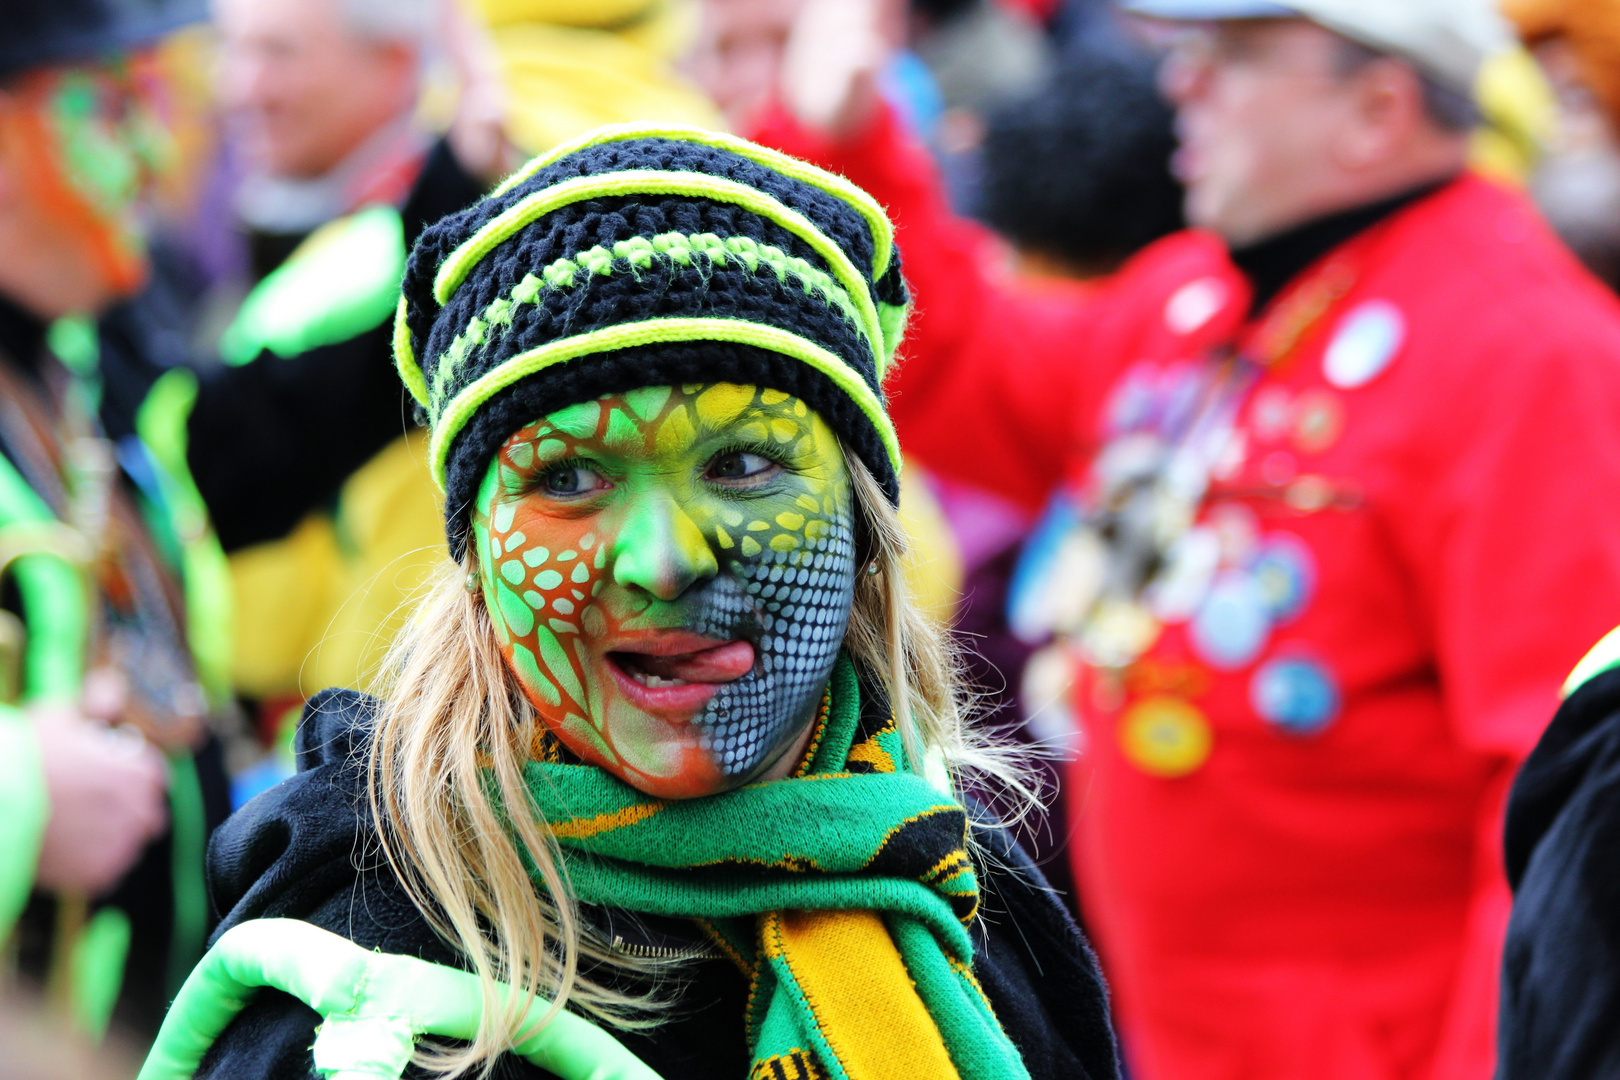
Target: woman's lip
pixel 674 703
pixel 723 663
pixel 659 643
pixel 689 676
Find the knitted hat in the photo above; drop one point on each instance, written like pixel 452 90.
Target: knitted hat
pixel 639 256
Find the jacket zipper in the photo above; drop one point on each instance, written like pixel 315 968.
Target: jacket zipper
pixel 654 952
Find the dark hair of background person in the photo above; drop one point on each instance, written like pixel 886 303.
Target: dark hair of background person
pixel 1079 170
pixel 940 10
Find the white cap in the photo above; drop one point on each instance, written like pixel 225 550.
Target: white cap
pixel 1448 40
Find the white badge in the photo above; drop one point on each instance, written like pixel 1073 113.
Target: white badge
pixel 1367 340
pixel 1194 304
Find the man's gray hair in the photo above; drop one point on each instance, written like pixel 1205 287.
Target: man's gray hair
pixel 1448 109
pixel 409 21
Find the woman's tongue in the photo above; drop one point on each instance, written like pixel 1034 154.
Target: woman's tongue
pixel 721 664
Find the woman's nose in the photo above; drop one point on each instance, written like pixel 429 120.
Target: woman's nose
pixel 661 550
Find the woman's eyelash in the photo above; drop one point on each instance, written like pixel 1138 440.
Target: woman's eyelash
pixel 539 473
pixel 772 454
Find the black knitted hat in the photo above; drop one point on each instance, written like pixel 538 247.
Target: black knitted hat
pixel 641 256
pixel 42 33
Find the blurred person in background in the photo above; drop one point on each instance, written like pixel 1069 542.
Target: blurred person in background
pixel 965 57
pixel 738 56
pixel 297 443
pixel 319 99
pixel 1323 546
pixel 1578 185
pixel 1076 173
pixel 110 777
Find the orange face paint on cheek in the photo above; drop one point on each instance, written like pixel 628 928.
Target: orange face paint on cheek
pixel 84 169
pixel 541 574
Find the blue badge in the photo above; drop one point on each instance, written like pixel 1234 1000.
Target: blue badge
pixel 1032 608
pixel 1296 694
pixel 1286 574
pixel 1233 624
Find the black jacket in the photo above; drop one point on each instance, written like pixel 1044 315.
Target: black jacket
pixel 294 852
pixel 1560 1016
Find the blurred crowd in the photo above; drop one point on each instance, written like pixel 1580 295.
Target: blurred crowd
pixel 1261 433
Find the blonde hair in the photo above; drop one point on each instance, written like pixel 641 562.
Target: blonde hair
pixel 455 731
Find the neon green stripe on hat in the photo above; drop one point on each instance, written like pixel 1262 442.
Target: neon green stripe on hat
pixel 651 332
pixel 637 252
pixel 410 371
pixel 836 186
pixel 459 264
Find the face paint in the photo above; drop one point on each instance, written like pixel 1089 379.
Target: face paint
pixel 670 572
pixel 94 138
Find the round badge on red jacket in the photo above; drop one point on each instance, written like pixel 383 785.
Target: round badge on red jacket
pixel 1166 737
pixel 1296 694
pixel 1233 623
pixel 1194 304
pixel 1367 341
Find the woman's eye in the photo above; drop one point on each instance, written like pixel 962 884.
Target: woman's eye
pixel 740 465
pixel 571 480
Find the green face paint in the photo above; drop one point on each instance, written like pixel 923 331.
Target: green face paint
pixel 97 156
pixel 98 136
pixel 670 572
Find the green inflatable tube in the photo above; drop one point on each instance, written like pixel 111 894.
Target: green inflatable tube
pixel 375 1006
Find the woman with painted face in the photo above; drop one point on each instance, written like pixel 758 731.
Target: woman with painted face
pixel 666 775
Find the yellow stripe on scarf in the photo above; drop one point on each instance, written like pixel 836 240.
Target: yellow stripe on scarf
pixel 857 986
pixel 872 753
pixel 601 823
pixel 796 1064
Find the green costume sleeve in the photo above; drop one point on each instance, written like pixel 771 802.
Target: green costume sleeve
pixel 342 281
pixel 210 621
pixel 53 601
pixel 374 1005
pixel 24 809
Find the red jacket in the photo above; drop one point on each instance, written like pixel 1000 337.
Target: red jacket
pixel 1419 535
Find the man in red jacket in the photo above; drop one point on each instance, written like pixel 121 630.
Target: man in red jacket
pixel 1333 518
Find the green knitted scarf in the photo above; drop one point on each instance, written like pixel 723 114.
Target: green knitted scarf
pixel 843 893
